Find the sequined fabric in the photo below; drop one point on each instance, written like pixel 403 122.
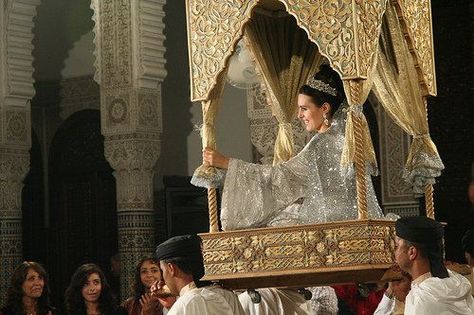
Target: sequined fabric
pixel 309 188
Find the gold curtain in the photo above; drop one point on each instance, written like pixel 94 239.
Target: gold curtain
pixel 286 58
pixel 208 174
pixel 356 93
pixel 397 89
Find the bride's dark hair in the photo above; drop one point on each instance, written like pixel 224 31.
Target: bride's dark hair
pixel 330 77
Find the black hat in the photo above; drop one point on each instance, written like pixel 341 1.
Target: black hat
pixel 419 229
pixel 185 248
pixel 468 241
pixel 429 234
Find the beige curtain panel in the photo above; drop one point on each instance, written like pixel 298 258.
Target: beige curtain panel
pixel 207 176
pixel 285 58
pixel 397 89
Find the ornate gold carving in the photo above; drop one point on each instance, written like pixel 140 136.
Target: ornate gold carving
pixel 301 249
pixel 369 25
pixel 346 32
pixel 416 16
pixel 213 30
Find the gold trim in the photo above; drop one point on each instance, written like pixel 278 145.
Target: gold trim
pixel 348 38
pixel 317 252
pixel 416 21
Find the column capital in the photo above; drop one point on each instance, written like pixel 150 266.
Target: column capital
pixel 132 151
pixel 133 158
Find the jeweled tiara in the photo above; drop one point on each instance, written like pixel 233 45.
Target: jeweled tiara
pixel 321 86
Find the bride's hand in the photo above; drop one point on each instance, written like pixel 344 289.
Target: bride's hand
pixel 213 158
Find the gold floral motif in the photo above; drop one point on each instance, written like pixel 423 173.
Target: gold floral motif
pixel 330 25
pixel 345 31
pixel 369 24
pixel 214 28
pixel 417 20
pixel 318 247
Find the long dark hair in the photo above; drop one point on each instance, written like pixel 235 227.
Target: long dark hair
pixel 73 298
pixel 138 287
pixel 328 76
pixel 14 302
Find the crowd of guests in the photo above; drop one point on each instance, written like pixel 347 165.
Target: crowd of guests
pixel 423 285
pixel 88 292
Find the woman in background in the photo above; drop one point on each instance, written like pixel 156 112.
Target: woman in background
pixel 143 302
pixel 89 293
pixel 28 293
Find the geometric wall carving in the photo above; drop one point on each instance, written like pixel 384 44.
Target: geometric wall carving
pixel 77 94
pixel 394 143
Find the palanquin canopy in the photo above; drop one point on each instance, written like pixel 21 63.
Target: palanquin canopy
pixel 378 46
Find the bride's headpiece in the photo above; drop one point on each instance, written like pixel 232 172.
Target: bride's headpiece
pixel 321 86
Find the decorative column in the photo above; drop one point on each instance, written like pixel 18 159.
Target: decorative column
pixel 14 165
pixel 130 68
pixel 16 89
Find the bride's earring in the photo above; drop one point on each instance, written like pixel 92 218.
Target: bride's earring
pixel 326 121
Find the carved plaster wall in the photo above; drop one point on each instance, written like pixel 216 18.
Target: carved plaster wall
pixel 77 94
pixel 397 196
pixel 16 91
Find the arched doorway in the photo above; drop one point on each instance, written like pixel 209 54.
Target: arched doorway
pixel 83 200
pixel 33 220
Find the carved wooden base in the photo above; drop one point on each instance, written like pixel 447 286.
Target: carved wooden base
pixel 300 256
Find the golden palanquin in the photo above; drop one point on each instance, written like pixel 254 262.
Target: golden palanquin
pixel 354 37
pixel 306 255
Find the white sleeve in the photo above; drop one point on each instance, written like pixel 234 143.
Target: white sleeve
pixel 386 306
pixel 255 194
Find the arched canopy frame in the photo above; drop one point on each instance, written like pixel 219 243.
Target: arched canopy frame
pixel 345 32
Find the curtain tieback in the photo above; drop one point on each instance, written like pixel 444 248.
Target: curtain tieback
pixel 356 109
pixel 285 125
pixel 424 135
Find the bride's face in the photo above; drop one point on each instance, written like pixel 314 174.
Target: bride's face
pixel 311 115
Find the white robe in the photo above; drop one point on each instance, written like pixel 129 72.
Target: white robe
pixel 432 296
pixel 390 306
pixel 275 302
pixel 309 188
pixel 209 300
pixel 290 302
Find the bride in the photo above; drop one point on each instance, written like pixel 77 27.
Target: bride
pixel 309 188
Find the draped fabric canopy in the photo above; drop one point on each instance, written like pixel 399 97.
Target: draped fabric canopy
pixel 286 58
pixel 397 88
